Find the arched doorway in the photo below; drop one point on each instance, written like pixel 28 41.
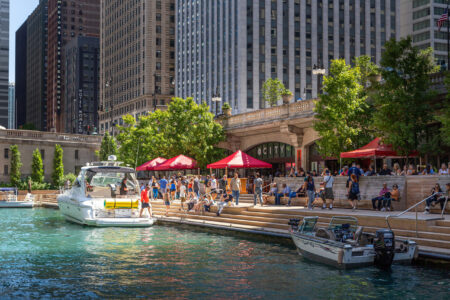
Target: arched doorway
pixel 280 155
pixel 317 162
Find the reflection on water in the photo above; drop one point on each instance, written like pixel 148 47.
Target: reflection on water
pixel 42 256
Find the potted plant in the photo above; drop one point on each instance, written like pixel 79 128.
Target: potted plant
pixel 226 108
pixel 286 95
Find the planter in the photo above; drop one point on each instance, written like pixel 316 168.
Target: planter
pixel 227 112
pixel 287 98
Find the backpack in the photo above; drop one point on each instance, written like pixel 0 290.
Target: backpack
pixel 355 188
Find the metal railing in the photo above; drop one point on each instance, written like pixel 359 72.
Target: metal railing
pixel 415 206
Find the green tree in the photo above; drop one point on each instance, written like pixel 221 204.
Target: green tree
pixel 342 113
pixel 37 168
pixel 107 148
pixel 272 90
pixel 16 164
pixel 184 128
pixel 402 100
pixel 58 167
pixel 444 118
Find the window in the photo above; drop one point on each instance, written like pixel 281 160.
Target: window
pixel 6 152
pixel 76 154
pixel 417 3
pixel 158 29
pixel 158 17
pixel 158 53
pixel 158 66
pixel 5 170
pixel 421 13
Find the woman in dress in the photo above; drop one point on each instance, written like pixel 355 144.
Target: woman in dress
pixel 353 191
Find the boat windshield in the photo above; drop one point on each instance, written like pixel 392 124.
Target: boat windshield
pixel 346 223
pixel 308 225
pixel 110 183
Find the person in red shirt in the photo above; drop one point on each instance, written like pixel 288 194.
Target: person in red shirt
pixel 145 201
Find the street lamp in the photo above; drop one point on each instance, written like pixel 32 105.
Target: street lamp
pixel 216 99
pixel 319 70
pixel 108 85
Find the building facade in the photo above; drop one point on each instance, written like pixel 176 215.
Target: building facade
pixel 418 18
pixel 21 75
pixel 81 81
pixel 234 46
pixel 66 20
pixel 4 61
pixel 35 66
pixel 137 58
pixel 12 106
pixel 78 150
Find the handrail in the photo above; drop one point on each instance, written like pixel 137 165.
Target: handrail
pixel 414 206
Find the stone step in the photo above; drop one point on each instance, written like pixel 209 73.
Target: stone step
pixel 443 223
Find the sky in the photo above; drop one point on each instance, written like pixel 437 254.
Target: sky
pixel 19 10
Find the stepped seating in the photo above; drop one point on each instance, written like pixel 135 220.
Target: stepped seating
pixel 433 236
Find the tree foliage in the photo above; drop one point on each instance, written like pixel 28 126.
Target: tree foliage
pixel 37 168
pixel 343 113
pixel 107 148
pixel 58 167
pixel 184 128
pixel 402 100
pixel 272 90
pixel 16 164
pixel 444 118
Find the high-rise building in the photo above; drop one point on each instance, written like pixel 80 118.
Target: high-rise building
pixel 11 106
pixel 418 18
pixel 234 46
pixel 137 58
pixel 21 75
pixel 4 61
pixel 66 20
pixel 82 75
pixel 35 66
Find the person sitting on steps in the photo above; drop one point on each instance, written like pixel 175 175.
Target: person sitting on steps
pixel 437 197
pixel 384 194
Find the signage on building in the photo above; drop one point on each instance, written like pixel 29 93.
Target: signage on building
pixel 80 111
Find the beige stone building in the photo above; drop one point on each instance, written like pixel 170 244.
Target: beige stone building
pixel 137 67
pixel 78 150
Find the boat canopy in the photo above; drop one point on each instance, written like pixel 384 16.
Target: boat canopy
pixel 104 169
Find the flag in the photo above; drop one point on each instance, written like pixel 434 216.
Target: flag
pixel 442 19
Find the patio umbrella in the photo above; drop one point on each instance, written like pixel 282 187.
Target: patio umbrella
pixel 239 160
pixel 150 165
pixel 179 162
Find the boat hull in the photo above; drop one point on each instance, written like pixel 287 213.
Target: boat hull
pixel 16 204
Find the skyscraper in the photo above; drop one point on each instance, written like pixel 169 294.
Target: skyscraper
pixel 11 106
pixel 234 46
pixel 137 58
pixel 4 61
pixel 66 20
pixel 418 18
pixel 21 75
pixel 82 73
pixel 35 65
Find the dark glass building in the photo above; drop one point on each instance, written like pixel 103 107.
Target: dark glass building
pixel 4 61
pixel 21 75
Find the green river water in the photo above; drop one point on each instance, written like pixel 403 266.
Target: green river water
pixel 42 256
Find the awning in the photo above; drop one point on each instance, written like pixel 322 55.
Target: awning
pixel 150 165
pixel 239 160
pixel 179 162
pixel 374 148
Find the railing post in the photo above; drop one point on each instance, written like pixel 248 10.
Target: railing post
pixel 417 234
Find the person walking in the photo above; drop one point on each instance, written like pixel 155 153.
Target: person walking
pixel 310 191
pixel 328 194
pixel 145 202
pixel 197 186
pixel 163 186
pixel 213 184
pixel 154 185
pixel 353 191
pixel 257 189
pixel 236 187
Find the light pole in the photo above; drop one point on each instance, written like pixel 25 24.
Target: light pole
pixel 216 99
pixel 108 85
pixel 319 70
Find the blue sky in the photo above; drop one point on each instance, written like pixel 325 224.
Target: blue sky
pixel 19 10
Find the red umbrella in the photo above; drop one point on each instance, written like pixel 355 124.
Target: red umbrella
pixel 239 160
pixel 150 165
pixel 179 162
pixel 374 149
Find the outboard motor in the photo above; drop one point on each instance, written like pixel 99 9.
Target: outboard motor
pixel 294 224
pixel 384 245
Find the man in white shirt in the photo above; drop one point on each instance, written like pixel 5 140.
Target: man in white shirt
pixel 213 182
pixel 328 194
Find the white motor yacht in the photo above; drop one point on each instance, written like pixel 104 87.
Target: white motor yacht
pixel 105 194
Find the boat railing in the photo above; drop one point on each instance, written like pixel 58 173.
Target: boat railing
pixel 415 207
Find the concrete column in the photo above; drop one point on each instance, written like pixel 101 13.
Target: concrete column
pixel 242 55
pixel 233 56
pixel 336 28
pixel 367 18
pixel 314 46
pixel 221 33
pixel 347 31
pixel 215 60
pixel 377 31
pixel 226 52
pixel 357 29
pixel 291 54
pixel 256 87
pixel 189 50
pixel 208 59
pixel 267 38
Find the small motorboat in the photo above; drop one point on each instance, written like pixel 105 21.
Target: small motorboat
pixel 343 244
pixel 8 199
pixel 102 197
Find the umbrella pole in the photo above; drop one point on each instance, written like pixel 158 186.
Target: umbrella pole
pixel 375 163
pixel 210 171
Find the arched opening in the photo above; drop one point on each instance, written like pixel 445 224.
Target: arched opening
pixel 317 163
pixel 280 155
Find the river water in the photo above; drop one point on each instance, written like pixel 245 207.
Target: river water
pixel 43 256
